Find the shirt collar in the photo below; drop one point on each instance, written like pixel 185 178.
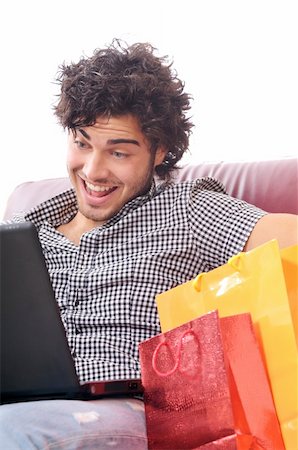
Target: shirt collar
pixel 57 210
pixel 133 204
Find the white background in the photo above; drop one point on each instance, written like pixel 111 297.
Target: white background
pixel 238 59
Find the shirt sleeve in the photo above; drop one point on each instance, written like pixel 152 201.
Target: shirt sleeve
pixel 220 224
pixel 19 217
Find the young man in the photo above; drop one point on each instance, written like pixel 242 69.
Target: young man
pixel 123 234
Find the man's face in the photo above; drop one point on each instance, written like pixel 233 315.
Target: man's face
pixel 109 164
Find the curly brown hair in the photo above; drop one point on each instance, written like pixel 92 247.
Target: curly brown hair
pixel 122 79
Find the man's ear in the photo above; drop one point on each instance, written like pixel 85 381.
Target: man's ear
pixel 159 156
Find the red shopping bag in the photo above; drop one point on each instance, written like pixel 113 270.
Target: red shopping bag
pixel 186 391
pixel 194 387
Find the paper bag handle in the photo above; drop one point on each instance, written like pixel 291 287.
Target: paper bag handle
pixel 235 262
pixel 197 282
pixel 178 359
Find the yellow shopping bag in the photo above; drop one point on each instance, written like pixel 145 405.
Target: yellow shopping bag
pixel 250 282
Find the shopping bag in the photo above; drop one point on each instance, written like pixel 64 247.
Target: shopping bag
pixel 186 391
pixel 289 258
pixel 253 406
pixel 250 282
pixel 200 394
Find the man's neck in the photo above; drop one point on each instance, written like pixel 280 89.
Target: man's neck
pixel 74 229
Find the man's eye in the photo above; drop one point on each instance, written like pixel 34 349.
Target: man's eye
pixel 119 155
pixel 80 144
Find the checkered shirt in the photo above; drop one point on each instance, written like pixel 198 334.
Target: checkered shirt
pixel 106 286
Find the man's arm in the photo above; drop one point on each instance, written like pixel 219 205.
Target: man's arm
pixel 283 227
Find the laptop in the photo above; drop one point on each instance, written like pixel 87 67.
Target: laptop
pixel 36 362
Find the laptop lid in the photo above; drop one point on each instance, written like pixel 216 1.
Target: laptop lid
pixel 36 361
pixel 35 357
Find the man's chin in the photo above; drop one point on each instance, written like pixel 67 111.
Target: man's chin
pixel 93 215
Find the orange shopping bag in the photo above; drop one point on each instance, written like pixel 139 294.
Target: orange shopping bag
pixel 250 282
pixel 253 405
pixel 289 259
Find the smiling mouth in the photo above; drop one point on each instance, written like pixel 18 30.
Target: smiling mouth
pixel 98 190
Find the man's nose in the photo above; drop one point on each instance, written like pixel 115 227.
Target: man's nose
pixel 96 167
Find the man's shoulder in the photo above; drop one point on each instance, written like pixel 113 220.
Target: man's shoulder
pixel 189 186
pixel 54 210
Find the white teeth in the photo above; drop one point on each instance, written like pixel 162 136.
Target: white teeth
pixel 97 188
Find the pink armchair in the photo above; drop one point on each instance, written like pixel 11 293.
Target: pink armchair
pixel 270 185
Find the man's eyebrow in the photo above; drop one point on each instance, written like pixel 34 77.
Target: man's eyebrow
pixel 123 141
pixel 112 141
pixel 83 132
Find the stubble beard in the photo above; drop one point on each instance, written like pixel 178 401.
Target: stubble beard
pixel 141 187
